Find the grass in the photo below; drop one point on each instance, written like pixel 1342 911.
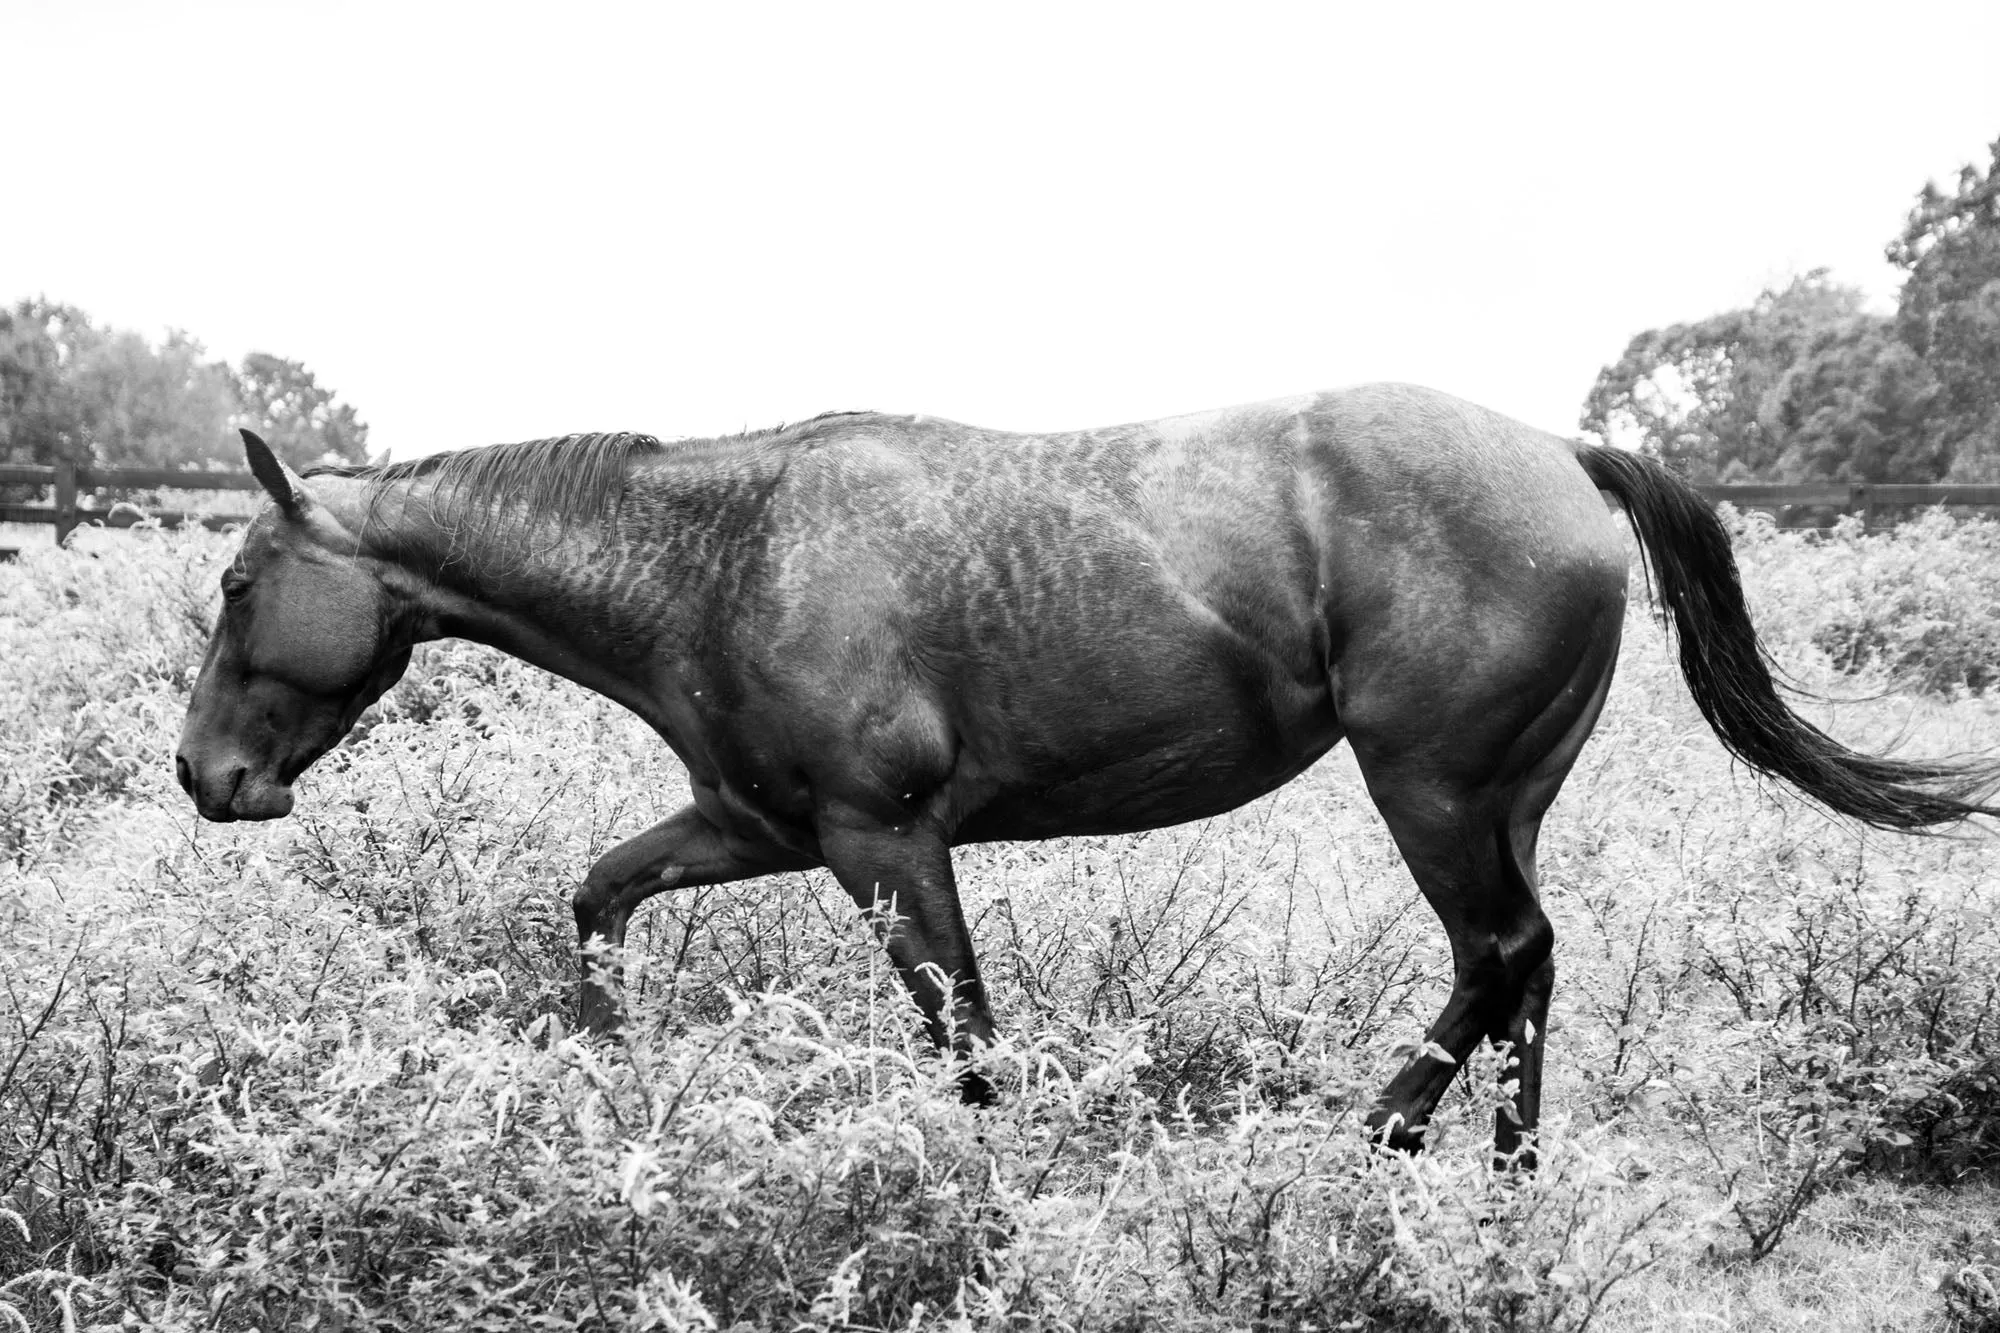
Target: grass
pixel 318 1074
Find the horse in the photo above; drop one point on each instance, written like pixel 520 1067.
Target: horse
pixel 873 638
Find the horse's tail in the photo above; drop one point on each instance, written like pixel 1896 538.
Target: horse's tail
pixel 1727 672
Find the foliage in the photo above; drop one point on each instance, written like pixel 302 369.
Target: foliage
pixel 1806 384
pixel 1972 1287
pixel 1803 384
pixel 101 654
pixel 1921 601
pixel 1950 313
pixel 1856 407
pixel 144 406
pixel 70 389
pixel 298 417
pixel 317 1074
pixel 38 407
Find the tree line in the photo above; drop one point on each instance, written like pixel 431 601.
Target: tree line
pixel 74 389
pixel 1808 385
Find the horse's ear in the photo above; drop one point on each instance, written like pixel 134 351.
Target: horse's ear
pixel 283 484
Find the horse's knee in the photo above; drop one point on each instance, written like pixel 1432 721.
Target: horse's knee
pixel 599 912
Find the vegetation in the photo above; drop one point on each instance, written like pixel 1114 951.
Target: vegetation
pixel 70 388
pixel 1807 384
pixel 319 1074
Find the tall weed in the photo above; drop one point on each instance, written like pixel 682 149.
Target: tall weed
pixel 1920 601
pixel 318 1074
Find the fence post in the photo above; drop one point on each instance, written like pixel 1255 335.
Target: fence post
pixel 65 499
pixel 1859 501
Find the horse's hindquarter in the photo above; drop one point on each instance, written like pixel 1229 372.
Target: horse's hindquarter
pixel 1479 577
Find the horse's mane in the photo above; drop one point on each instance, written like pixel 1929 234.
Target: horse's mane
pixel 569 480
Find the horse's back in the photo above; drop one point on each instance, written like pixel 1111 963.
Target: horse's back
pixel 1114 629
pixel 1286 534
pixel 1375 452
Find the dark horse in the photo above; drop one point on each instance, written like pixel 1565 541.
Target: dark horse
pixel 872 638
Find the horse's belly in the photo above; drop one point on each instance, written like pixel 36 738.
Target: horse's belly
pixel 1201 763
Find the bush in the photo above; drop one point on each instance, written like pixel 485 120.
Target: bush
pixel 1920 601
pixel 316 1074
pixel 101 649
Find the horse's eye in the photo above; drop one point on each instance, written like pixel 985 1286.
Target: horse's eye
pixel 234 590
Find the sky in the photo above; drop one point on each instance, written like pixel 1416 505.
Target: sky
pixel 484 223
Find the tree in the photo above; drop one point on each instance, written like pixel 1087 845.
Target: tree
pixel 39 342
pixel 282 401
pixel 1806 384
pixel 1771 391
pixel 69 389
pixel 1949 314
pixel 141 406
pixel 1856 407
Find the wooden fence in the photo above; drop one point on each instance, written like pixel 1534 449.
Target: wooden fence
pixel 1864 498
pixel 71 481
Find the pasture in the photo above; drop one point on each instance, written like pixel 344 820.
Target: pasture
pixel 320 1073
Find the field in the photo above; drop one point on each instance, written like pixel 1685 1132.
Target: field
pixel 318 1074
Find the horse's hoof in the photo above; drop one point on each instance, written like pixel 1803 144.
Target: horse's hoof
pixel 974 1090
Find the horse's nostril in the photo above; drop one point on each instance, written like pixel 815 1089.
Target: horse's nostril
pixel 184 773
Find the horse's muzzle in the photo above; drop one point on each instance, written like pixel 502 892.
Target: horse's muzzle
pixel 234 793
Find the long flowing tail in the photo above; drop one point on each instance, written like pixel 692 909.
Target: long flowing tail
pixel 1727 672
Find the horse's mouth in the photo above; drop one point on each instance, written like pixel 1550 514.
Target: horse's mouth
pixel 257 798
pixel 267 803
pixel 241 795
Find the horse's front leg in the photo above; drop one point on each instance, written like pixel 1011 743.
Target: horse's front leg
pixel 683 851
pixel 902 875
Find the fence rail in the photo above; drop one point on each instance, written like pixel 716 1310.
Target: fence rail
pixel 1862 498
pixel 69 480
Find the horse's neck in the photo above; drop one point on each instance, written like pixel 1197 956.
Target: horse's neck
pixel 580 599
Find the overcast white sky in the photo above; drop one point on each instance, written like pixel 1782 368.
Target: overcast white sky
pixel 480 224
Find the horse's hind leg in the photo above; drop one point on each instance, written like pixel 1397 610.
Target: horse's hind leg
pixel 1465 802
pixel 1500 943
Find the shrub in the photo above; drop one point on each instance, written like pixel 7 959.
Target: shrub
pixel 316 1074
pixel 101 648
pixel 1920 602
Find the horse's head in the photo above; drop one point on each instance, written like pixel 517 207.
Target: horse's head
pixel 310 634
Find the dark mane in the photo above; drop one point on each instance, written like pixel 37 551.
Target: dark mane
pixel 572 478
pixel 561 482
